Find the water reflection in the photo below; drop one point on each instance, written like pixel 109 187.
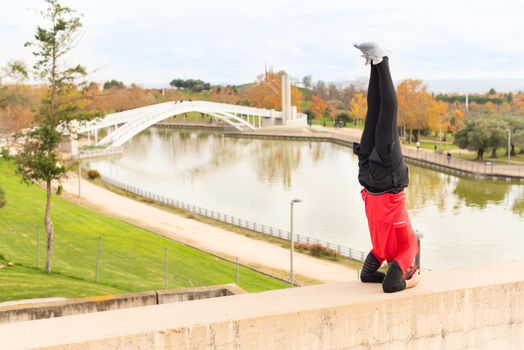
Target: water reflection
pixel 255 179
pixel 481 193
pixel 274 161
pixel 428 187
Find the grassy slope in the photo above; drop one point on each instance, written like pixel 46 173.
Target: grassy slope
pixel 132 259
pixel 18 280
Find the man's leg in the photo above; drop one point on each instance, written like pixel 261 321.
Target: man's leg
pixel 367 141
pixel 386 129
pixel 369 272
pixel 387 166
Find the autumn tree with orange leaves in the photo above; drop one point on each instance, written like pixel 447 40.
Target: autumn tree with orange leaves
pixel 416 107
pixel 317 106
pixel 266 92
pixel 358 107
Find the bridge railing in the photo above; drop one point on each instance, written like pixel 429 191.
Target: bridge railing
pixel 117 118
pixel 487 168
pixel 452 162
pixel 206 106
pixel 340 250
pixel 93 153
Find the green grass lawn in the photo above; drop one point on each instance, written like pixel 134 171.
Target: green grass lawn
pixel 427 144
pixel 18 280
pixel 329 123
pixel 502 157
pixel 132 259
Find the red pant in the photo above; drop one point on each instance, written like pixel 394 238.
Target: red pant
pixel 391 233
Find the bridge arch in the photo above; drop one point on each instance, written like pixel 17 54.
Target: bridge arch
pixel 129 123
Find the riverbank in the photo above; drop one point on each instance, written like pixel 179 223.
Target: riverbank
pixel 264 256
pixel 94 254
pixel 487 170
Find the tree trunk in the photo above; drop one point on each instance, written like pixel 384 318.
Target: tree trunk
pixel 480 154
pixel 512 153
pixel 410 132
pixel 494 153
pixel 49 230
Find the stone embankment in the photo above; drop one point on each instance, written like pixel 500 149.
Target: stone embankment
pixel 468 308
pixel 427 158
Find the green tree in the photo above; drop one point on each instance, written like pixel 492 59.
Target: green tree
pixel 39 158
pixel 516 124
pixel 498 138
pixel 480 134
pixel 310 116
pixel 307 81
pixel 344 117
pixel 114 84
pixel 518 139
pixel 196 85
pixel 473 137
pixel 14 69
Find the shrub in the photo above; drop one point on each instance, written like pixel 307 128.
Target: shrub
pixel 93 174
pixel 317 250
pixel 5 153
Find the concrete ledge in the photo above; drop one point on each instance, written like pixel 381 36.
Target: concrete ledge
pixel 35 311
pixel 178 295
pixel 477 307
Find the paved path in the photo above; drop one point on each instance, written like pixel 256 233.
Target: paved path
pixel 252 252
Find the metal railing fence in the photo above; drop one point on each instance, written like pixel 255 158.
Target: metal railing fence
pixel 341 250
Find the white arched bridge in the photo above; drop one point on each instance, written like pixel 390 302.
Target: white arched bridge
pixel 122 126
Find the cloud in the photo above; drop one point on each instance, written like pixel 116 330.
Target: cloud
pixel 229 41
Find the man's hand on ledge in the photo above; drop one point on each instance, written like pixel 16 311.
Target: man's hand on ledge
pixel 414 280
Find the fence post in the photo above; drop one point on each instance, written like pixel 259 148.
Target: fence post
pixel 420 235
pixel 165 268
pixel 238 272
pixel 98 258
pixel 37 248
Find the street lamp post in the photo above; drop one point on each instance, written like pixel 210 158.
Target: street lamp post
pixel 79 175
pixel 509 143
pixel 292 245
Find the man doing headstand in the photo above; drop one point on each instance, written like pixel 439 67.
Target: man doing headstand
pixel 384 176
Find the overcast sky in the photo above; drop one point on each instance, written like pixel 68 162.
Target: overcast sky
pixel 228 41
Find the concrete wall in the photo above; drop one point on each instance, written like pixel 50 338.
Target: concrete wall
pixel 470 308
pixel 28 311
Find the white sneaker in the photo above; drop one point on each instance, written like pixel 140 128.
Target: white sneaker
pixel 372 51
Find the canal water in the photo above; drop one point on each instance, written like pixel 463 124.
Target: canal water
pixel 464 221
